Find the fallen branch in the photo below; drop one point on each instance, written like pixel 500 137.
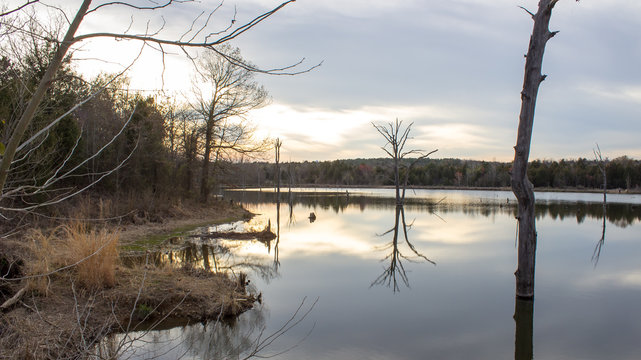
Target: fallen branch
pixel 14 299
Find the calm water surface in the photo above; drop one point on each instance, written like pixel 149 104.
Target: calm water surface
pixel 445 292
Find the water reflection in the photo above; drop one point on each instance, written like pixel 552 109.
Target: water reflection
pixel 599 245
pixel 395 257
pixel 216 255
pixel 175 340
pixel 462 309
pixel 618 214
pixel 524 329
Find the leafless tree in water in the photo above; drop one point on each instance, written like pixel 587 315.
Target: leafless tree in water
pixel 396 138
pixel 521 185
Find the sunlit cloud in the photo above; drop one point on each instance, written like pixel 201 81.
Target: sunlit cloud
pixel 461 134
pixel 333 134
pixel 623 93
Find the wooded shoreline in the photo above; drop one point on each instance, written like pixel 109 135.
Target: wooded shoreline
pixel 462 188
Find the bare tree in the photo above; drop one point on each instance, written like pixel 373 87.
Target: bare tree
pixel 396 138
pixel 199 35
pixel 521 185
pixel 224 95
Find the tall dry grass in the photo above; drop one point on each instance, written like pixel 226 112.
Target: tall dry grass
pixel 93 252
pixel 90 255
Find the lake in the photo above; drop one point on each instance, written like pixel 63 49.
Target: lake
pixel 443 290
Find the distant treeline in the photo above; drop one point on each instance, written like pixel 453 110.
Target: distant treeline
pixel 622 173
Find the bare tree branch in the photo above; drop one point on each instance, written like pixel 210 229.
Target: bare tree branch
pixel 9 12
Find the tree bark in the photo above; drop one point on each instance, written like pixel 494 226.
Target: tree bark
pixel 521 185
pixel 204 180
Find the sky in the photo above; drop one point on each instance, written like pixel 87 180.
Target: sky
pixel 453 69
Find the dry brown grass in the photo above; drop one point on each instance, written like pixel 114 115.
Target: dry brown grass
pixel 95 253
pixel 43 261
pixel 90 254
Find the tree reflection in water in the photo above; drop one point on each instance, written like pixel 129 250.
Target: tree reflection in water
pixel 225 340
pixel 216 255
pixel 619 214
pixel 244 337
pixel 524 329
pixel 597 249
pixel 396 270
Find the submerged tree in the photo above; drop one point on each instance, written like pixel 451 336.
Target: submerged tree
pixel 396 137
pixel 521 185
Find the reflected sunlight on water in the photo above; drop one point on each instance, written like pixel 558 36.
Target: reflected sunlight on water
pixel 381 297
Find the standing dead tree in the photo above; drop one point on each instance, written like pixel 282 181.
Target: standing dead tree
pixel 521 185
pixel 199 35
pixel 277 146
pixel 602 167
pixel 396 138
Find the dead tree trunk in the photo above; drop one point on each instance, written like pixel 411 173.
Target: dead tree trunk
pixel 204 180
pixel 521 185
pixel 277 148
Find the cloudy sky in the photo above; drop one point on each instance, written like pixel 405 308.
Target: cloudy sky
pixel 454 68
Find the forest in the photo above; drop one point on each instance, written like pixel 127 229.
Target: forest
pixel 118 142
pixel 123 143
pixel 623 173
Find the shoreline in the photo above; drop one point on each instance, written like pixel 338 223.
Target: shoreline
pixel 469 188
pixel 70 319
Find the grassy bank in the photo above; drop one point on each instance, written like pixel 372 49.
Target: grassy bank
pixel 72 290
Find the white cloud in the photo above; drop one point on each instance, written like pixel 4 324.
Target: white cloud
pixel 331 134
pixel 616 92
pixel 350 8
